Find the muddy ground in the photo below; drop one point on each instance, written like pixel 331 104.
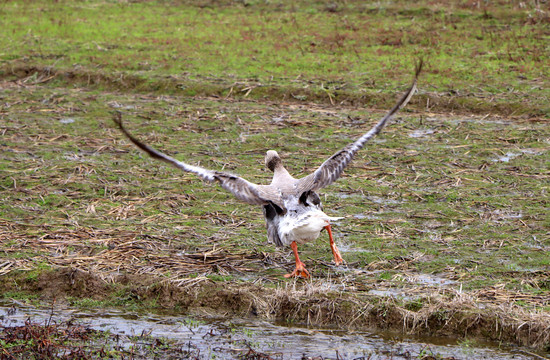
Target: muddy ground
pixel 60 242
pixel 88 221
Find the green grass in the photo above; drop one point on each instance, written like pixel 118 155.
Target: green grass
pixel 480 59
pixel 448 197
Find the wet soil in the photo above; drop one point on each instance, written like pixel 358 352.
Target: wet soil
pixel 449 316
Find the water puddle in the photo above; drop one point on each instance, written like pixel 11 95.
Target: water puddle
pixel 231 338
pixel 512 155
pixel 385 201
pixel 428 280
pixel 407 292
pixel 421 133
pixel 393 292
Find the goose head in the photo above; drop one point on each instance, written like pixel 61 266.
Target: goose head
pixel 272 160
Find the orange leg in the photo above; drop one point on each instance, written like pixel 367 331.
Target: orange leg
pixel 300 266
pixel 337 257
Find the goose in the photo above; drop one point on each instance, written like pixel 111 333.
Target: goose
pixel 291 207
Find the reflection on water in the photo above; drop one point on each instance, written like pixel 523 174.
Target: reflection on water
pixel 226 338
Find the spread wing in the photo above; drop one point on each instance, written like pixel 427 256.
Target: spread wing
pixel 332 168
pixel 241 188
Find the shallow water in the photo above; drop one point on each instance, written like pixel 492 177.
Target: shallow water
pixel 227 338
pixel 421 133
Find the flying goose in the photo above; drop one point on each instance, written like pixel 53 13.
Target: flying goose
pixel 291 207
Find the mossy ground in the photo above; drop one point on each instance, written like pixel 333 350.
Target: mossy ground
pixel 439 204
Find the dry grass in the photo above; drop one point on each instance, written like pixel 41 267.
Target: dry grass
pixel 490 313
pixel 111 252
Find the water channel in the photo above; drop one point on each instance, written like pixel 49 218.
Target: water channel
pixel 228 338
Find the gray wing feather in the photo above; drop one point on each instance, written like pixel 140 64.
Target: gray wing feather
pixel 239 187
pixel 332 168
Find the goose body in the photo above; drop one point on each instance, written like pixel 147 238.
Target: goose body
pixel 303 227
pixel 291 207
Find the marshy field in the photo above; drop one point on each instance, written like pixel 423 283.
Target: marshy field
pixel 107 253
